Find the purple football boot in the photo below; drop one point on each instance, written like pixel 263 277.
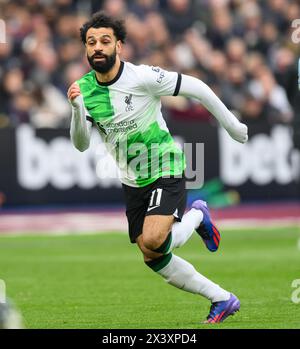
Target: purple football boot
pixel 207 230
pixel 219 311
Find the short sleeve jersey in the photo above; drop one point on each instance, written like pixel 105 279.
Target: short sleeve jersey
pixel 127 113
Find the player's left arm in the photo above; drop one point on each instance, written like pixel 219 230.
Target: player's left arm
pixel 159 82
pixel 194 88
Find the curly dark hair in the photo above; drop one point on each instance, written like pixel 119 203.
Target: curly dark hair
pixel 102 20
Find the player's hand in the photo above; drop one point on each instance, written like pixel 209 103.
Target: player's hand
pixel 73 94
pixel 239 132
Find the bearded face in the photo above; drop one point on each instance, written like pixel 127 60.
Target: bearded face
pixel 102 48
pixel 101 62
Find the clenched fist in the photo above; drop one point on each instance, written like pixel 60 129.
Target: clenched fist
pixel 73 93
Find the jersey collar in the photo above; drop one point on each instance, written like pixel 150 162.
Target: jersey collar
pixel 116 78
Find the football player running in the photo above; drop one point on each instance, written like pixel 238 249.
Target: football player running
pixel 122 101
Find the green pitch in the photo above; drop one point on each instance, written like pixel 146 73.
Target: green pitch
pixel 100 281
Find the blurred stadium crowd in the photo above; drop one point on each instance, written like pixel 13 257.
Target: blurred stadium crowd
pixel 242 49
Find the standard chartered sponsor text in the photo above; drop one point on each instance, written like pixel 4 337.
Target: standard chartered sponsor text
pixel 122 126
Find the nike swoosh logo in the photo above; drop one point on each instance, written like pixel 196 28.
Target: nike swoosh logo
pixel 152 208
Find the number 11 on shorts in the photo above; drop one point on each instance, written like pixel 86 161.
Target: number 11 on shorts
pixel 155 199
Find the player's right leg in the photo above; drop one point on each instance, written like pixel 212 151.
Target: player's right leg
pixel 166 226
pixel 181 274
pixel 172 201
pixel 167 196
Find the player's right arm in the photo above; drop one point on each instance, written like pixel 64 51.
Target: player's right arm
pixel 80 130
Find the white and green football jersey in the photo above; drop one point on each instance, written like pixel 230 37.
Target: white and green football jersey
pixel 127 112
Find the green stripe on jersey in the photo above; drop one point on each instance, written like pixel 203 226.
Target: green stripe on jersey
pixel 96 97
pixel 153 154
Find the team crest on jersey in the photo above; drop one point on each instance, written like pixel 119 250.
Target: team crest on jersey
pixel 129 105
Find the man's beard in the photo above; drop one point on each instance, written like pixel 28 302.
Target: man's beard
pixel 105 65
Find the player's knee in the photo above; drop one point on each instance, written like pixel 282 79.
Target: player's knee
pixel 152 242
pixel 147 253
